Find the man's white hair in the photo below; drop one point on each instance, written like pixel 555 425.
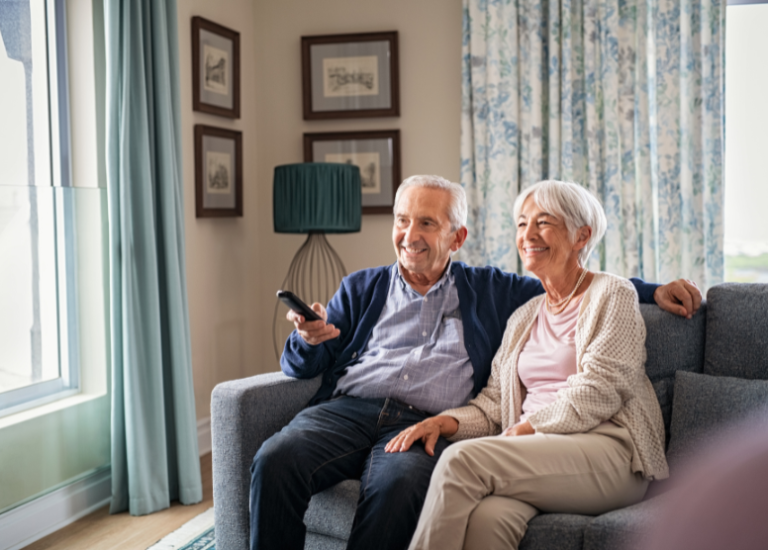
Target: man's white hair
pixel 457 210
pixel 571 203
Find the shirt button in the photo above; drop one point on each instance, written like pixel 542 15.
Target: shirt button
pixel 425 299
pixel 405 377
pixel 424 333
pixel 354 354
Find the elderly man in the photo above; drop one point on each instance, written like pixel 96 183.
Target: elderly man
pixel 399 343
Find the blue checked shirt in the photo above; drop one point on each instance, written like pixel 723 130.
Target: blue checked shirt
pixel 416 351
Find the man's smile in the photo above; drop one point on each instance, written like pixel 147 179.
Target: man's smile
pixel 413 250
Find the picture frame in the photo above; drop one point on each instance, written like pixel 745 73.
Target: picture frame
pixel 376 153
pixel 350 75
pixel 215 69
pixel 218 172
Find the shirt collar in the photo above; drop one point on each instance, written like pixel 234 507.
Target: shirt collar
pixel 439 284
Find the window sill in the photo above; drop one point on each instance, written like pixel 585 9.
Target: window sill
pixel 49 408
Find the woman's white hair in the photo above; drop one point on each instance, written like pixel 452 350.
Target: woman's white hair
pixel 571 203
pixel 457 211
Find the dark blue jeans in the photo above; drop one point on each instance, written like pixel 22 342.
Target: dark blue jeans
pixel 336 440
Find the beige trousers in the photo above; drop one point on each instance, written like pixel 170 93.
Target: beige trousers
pixel 484 491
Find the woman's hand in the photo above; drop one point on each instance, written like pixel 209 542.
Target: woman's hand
pixel 521 428
pixel 428 431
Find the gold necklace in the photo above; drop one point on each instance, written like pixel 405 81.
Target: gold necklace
pixel 567 300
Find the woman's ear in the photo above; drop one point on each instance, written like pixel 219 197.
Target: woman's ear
pixel 583 234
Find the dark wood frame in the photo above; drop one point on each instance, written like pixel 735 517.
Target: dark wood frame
pixel 201 212
pixel 311 138
pixel 199 23
pixel 394 71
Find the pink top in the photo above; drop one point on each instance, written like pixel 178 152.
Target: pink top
pixel 548 358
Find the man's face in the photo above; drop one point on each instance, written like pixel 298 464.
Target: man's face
pixel 422 232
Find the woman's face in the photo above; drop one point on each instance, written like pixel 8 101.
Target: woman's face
pixel 543 241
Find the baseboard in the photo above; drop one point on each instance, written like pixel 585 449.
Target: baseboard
pixel 29 522
pixel 204 435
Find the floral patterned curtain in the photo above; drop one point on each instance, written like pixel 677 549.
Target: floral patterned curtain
pixel 625 97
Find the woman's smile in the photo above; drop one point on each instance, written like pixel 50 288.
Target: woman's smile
pixel 531 250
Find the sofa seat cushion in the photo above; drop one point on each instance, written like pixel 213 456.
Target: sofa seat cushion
pixel 626 528
pixel 555 532
pixel 703 405
pixel 737 339
pixel 331 512
pixel 323 542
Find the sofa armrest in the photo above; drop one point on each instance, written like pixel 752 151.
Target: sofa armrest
pixel 245 413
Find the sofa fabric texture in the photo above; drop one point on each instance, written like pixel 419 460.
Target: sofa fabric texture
pixel 737 335
pixel 671 344
pixel 726 340
pixel 315 541
pixel 244 413
pixel 704 405
pixel 561 531
pixel 331 512
pixel 623 529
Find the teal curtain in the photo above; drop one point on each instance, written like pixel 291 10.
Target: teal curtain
pixel 625 97
pixel 154 436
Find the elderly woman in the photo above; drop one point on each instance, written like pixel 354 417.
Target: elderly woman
pixel 576 423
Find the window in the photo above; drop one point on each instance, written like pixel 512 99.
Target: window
pixel 37 362
pixel 746 134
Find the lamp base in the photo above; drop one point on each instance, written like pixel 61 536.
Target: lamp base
pixel 314 276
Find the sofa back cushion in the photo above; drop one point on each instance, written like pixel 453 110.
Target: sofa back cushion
pixel 737 331
pixel 672 343
pixel 706 405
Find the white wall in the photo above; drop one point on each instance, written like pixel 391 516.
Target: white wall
pixel 236 265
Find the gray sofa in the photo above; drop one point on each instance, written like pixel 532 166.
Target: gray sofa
pixel 725 346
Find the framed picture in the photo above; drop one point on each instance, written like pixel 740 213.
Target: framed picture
pixel 215 69
pixel 376 153
pixel 218 172
pixel 350 75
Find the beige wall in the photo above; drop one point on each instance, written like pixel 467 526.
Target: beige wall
pixel 222 254
pixel 235 266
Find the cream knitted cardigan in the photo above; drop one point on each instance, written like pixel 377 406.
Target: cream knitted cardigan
pixel 610 382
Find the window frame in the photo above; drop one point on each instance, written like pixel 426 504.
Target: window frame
pixel 68 382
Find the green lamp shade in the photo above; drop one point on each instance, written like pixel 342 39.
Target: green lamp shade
pixel 317 196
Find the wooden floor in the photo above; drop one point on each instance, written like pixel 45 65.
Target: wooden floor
pixel 101 531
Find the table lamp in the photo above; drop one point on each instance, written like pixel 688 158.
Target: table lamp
pixel 315 198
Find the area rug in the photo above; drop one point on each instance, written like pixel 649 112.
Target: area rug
pixel 196 534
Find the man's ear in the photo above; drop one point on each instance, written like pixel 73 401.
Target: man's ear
pixel 459 237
